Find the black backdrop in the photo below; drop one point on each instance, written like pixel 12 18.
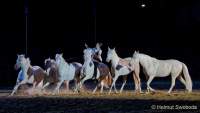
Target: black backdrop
pixel 164 29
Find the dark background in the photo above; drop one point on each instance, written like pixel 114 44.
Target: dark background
pixel 164 29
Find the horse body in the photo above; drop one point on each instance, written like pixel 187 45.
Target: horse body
pixel 122 67
pixel 67 72
pixel 93 69
pixel 52 71
pixel 28 74
pixel 162 68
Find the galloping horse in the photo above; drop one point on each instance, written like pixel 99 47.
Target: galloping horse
pixel 100 73
pixel 67 72
pixel 52 72
pixel 28 73
pixel 122 67
pixel 161 68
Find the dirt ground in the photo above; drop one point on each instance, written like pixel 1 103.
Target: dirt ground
pixel 128 101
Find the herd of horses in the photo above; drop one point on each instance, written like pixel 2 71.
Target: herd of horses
pixel 57 71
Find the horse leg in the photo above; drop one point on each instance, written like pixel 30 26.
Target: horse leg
pixel 81 83
pixel 56 90
pixel 33 88
pixel 45 85
pixel 15 89
pixel 124 82
pixel 113 84
pixel 95 89
pixel 148 84
pixel 102 85
pixel 17 86
pixel 137 77
pixel 76 85
pixel 136 82
pixel 182 80
pixel 67 85
pixel 172 84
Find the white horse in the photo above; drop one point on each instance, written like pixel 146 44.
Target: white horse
pixel 100 73
pixel 161 68
pixel 67 72
pixel 28 74
pixel 122 67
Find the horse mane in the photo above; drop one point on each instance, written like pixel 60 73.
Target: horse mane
pixel 148 56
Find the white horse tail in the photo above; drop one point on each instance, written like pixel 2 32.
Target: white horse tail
pixel 187 78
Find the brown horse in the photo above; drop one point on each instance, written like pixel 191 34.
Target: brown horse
pixel 52 73
pixel 28 74
pixel 95 70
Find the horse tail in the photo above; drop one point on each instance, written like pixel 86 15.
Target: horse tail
pixel 109 79
pixel 187 78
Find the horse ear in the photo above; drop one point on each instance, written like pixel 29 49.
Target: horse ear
pixel 98 45
pixel 108 48
pixel 28 59
pixel 86 45
pixel 114 48
pixel 61 54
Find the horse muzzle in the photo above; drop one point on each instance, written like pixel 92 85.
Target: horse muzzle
pixel 16 67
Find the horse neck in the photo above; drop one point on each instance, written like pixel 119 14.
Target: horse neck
pixel 25 68
pixel 64 63
pixel 115 60
pixel 143 58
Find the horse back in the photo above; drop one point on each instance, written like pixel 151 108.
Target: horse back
pixel 38 74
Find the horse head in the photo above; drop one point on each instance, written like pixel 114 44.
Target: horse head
pixel 135 54
pixel 110 54
pixel 47 63
pixel 59 58
pixel 87 54
pixel 20 61
pixel 96 52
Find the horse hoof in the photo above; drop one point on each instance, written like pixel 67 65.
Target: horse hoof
pixel 10 95
pixel 168 92
pixel 116 92
pixel 147 92
pixel 141 92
